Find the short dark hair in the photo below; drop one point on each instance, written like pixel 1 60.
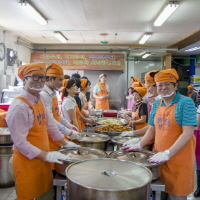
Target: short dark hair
pixel 78 82
pixel 76 75
pixel 66 76
pixel 69 85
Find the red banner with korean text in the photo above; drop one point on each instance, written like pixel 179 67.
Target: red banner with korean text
pixel 82 61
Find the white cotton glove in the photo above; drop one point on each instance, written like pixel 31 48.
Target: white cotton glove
pixel 74 128
pixel 71 145
pixel 74 135
pixel 100 97
pixel 131 142
pixel 160 157
pixel 127 134
pixel 55 157
pixel 134 147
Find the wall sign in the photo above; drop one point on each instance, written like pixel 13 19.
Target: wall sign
pixel 82 61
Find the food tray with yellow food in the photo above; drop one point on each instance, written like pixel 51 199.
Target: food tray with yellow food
pixel 111 121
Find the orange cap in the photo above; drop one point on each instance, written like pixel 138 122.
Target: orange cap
pixel 141 90
pixel 137 84
pixel 136 79
pixel 190 87
pixel 83 83
pixel 168 75
pixel 64 84
pixel 149 81
pixel 55 71
pixel 31 69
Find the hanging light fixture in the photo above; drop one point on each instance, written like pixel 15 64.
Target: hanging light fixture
pixel 28 8
pixel 144 38
pixel 168 10
pixel 146 55
pixel 59 35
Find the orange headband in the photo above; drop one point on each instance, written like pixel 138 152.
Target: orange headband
pixel 190 87
pixel 83 83
pixel 149 81
pixel 168 75
pixel 137 84
pixel 64 84
pixel 31 69
pixel 55 71
pixel 135 79
pixel 141 90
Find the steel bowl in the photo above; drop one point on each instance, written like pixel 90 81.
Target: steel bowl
pixel 5 137
pixel 93 140
pixel 120 140
pixel 140 158
pixel 78 154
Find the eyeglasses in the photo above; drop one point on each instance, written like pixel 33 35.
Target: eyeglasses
pixel 163 85
pixel 36 77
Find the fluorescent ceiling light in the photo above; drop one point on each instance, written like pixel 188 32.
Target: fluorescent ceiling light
pixel 27 7
pixel 193 49
pixel 168 10
pixel 145 38
pixel 146 55
pixel 60 37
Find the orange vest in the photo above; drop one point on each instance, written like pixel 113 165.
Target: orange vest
pixel 190 95
pixel 33 177
pixel 135 116
pixel 2 118
pixel 177 173
pixel 102 103
pixel 85 108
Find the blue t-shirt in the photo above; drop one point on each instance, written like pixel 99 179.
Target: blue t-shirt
pixel 185 111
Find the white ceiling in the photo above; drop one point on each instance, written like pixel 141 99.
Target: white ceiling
pixel 82 21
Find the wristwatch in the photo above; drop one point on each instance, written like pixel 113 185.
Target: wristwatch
pixel 168 153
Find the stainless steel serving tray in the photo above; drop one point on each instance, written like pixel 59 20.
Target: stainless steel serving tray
pixel 123 121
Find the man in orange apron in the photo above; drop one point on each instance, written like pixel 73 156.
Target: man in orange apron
pixel 172 124
pixel 192 94
pixel 29 123
pixel 101 93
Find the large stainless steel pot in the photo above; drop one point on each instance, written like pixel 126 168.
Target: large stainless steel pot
pixel 120 140
pixel 93 140
pixel 120 121
pixel 139 158
pixel 6 150
pixel 78 154
pixel 108 179
pixel 111 134
pixel 5 137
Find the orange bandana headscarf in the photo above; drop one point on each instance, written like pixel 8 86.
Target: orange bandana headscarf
pixel 135 79
pixel 137 84
pixel 64 84
pixel 141 90
pixel 190 87
pixel 31 69
pixel 168 75
pixel 149 81
pixel 83 83
pixel 55 71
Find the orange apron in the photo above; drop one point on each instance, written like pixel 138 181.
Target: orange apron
pixel 135 116
pixel 2 118
pixel 177 173
pixel 85 108
pixel 33 177
pixel 102 103
pixel 190 95
pixel 78 112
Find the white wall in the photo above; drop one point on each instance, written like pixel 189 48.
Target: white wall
pixel 197 70
pixel 24 55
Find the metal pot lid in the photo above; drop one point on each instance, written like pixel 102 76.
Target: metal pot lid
pixel 82 153
pixel 140 157
pixel 108 174
pixel 93 137
pixel 4 131
pixel 121 139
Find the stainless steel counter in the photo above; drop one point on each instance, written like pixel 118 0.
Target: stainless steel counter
pixel 59 181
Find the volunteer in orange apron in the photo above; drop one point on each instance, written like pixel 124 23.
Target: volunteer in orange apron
pixel 139 117
pixel 54 77
pixel 101 93
pixel 29 123
pixel 172 124
pixel 70 109
pixel 2 118
pixel 192 94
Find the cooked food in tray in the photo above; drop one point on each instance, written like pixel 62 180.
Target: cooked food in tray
pixel 110 121
pixel 113 128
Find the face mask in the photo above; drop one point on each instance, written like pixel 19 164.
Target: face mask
pixel 150 95
pixel 168 95
pixel 37 89
pixel 60 89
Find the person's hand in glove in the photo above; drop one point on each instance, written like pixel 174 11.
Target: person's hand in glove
pixel 74 128
pixel 131 142
pixel 134 147
pixel 55 157
pixel 71 145
pixel 73 135
pixel 127 134
pixel 160 157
